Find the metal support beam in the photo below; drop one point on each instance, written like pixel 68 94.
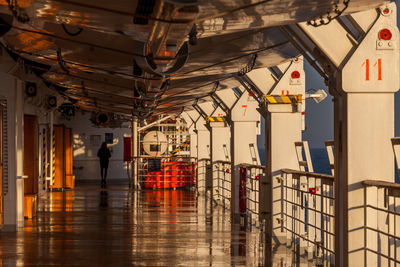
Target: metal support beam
pixel 141 129
pixel 200 111
pixel 220 102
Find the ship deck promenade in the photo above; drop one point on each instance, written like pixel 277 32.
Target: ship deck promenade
pixel 116 226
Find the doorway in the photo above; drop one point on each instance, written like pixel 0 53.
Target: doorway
pixel 31 160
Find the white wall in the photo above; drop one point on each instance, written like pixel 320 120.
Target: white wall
pixel 86 163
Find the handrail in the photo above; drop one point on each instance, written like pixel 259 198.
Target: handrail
pixel 204 159
pixel 223 162
pixel 163 157
pixel 247 165
pixel 381 184
pixel 312 174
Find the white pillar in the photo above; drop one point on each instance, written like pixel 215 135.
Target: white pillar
pixel 19 148
pixel 283 127
pixel 193 142
pixel 203 153
pixel 220 146
pixel 190 124
pixel 364 126
pixel 245 119
pixel 282 130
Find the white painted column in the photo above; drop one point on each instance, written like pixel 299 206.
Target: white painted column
pixel 244 129
pixel 283 127
pixel 220 146
pixel 243 134
pixel 282 130
pixel 190 124
pixel 364 126
pixel 19 148
pixel 203 144
pixel 203 153
pixel 193 143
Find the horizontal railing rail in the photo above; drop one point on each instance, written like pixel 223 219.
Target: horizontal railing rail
pixel 381 184
pixel 165 157
pixel 311 174
pixel 225 162
pixel 253 166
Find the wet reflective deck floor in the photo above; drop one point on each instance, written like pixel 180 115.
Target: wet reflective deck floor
pixel 90 226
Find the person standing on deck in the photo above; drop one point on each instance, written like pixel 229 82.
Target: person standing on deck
pixel 104 156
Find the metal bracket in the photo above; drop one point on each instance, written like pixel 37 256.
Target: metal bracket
pixel 250 87
pixel 199 110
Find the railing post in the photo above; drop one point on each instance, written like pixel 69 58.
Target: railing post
pixel 242 191
pixel 135 173
pixel 265 208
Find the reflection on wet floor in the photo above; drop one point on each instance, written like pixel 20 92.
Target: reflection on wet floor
pixel 118 227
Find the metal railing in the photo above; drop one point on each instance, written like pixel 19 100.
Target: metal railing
pixel 222 183
pixel 202 165
pixel 307 214
pixel 166 172
pixel 251 196
pixel 382 222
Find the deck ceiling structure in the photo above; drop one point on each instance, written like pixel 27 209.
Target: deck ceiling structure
pixel 146 57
